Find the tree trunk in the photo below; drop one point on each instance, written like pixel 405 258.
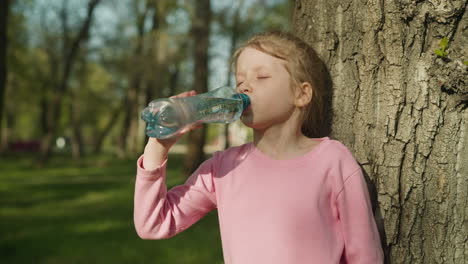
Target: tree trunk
pixel 4 10
pixel 129 133
pixel 77 140
pixel 402 110
pixel 101 135
pixel 201 35
pixel 9 124
pixel 77 136
pixel 129 115
pixel 156 72
pixel 70 56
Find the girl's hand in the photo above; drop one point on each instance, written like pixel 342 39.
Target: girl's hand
pixel 169 142
pixel 156 149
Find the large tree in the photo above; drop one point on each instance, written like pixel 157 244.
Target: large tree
pixel 400 104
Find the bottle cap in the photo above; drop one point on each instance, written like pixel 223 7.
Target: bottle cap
pixel 245 100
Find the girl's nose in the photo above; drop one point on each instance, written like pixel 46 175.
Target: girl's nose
pixel 245 88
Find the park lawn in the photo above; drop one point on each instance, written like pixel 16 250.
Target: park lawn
pixel 82 212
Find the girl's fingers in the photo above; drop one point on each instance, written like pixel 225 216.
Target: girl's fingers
pixel 195 126
pixel 184 94
pixel 190 128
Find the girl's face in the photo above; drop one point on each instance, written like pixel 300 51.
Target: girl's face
pixel 266 81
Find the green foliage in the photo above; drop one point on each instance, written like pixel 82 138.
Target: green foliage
pixel 273 15
pixel 465 62
pixel 82 212
pixel 213 130
pixel 107 63
pixel 23 88
pixel 443 46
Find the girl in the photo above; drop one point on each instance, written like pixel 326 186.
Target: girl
pixel 292 195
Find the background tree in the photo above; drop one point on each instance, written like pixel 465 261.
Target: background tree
pixel 201 35
pixel 136 67
pixel 166 50
pixel 400 104
pixel 108 82
pixel 71 48
pixel 152 68
pixel 234 29
pixel 19 106
pixel 4 11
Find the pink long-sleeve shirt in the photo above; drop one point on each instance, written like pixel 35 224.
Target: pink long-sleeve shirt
pixel 311 209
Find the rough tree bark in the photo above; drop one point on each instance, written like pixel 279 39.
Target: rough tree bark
pixel 201 35
pixel 402 110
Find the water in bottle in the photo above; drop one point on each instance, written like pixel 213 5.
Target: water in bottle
pixel 165 118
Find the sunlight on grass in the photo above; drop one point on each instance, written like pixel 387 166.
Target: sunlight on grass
pixel 92 198
pixel 98 226
pixel 82 212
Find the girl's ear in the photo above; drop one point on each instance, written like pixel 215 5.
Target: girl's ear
pixel 304 94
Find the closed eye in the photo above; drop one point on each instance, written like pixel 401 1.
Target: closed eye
pixel 239 83
pixel 263 77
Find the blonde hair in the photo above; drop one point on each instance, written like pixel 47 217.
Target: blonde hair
pixel 303 65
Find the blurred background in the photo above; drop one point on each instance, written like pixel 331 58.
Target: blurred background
pixel 74 75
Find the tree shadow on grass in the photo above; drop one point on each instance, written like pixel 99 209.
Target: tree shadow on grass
pixel 86 216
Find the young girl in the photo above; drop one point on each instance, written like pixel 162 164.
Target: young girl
pixel 292 195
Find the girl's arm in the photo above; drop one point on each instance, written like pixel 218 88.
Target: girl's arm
pixel 155 153
pixel 159 213
pixel 362 242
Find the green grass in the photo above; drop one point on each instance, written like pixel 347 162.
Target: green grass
pixel 82 212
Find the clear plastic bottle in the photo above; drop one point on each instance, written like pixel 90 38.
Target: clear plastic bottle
pixel 165 118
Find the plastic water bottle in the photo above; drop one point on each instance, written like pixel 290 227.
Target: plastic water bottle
pixel 165 118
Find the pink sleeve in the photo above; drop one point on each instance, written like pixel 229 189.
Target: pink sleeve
pixel 362 242
pixel 159 213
